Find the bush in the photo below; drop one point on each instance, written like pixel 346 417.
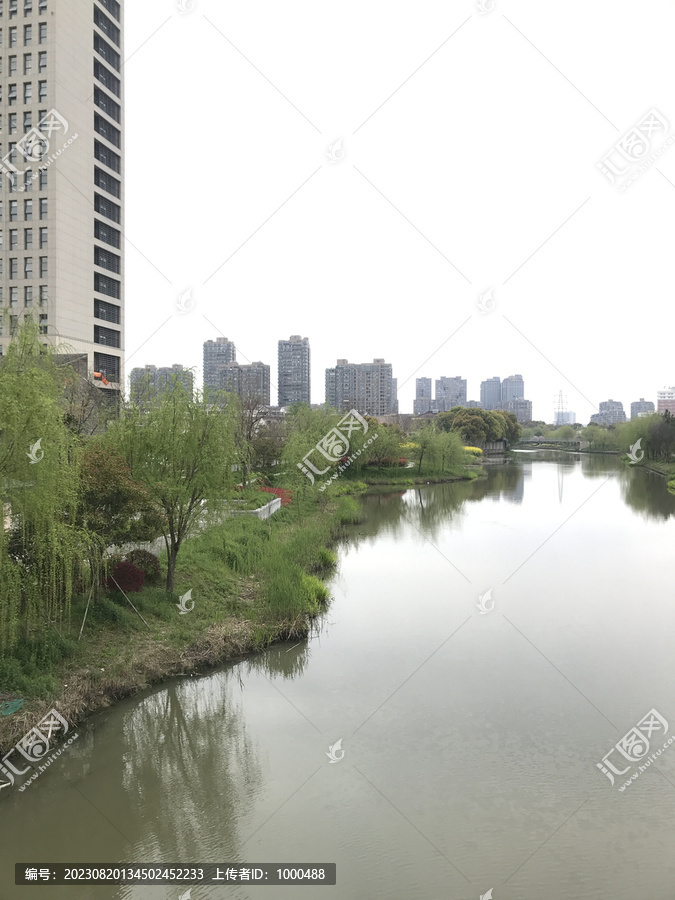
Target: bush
pixel 148 563
pixel 128 577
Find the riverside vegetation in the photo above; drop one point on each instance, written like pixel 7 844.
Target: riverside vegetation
pixel 80 625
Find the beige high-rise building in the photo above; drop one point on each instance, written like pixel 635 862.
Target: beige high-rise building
pixel 61 167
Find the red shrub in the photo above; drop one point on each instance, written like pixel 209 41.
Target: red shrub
pixel 128 576
pixel 285 495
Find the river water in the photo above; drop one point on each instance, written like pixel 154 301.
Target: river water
pixel 470 729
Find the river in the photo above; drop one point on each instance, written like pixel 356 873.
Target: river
pixel 470 728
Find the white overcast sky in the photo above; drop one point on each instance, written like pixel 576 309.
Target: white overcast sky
pixel 470 148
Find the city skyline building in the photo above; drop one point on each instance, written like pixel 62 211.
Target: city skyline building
pixel 521 408
pixel 665 400
pixel 641 407
pixel 610 413
pixel 450 391
pixel 62 253
pixel 151 381
pixel 422 401
pixel 294 380
pixel 250 382
pixel 513 388
pixel 491 393
pixel 366 387
pixel 217 354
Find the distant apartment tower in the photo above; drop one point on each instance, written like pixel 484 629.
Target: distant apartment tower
pixel 491 393
pixel 513 388
pixel 394 394
pixel 294 371
pixel 422 401
pixel 665 400
pixel 611 412
pixel 249 382
pixel 63 187
pixel 151 381
pixel 365 387
pixel 473 404
pixel 564 417
pixel 217 354
pixel 450 391
pixel 521 408
pixel 641 407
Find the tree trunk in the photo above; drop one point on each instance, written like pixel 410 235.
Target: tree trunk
pixel 171 557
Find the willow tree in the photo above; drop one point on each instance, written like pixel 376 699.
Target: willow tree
pixel 41 549
pixel 181 450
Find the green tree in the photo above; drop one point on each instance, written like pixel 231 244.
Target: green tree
pixel 182 451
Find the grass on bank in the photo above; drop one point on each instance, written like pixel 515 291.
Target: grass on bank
pixel 252 582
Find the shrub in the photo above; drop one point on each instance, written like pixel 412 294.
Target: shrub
pixel 148 563
pixel 128 576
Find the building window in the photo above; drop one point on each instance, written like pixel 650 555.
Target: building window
pixel 12 65
pixel 27 209
pixel 28 7
pixel 42 91
pixel 13 36
pixel 13 182
pixel 13 239
pixel 107 260
pixel 42 61
pixel 12 123
pixel 106 52
pixel 43 179
pixel 27 121
pixel 28 267
pixel 13 8
pixel 109 286
pixel 43 238
pixel 13 210
pixel 13 297
pixel 44 294
pixel 107 208
pixel 106 77
pixel 109 30
pixel 107 182
pixel 42 33
pixel 43 207
pixel 43 267
pixel 28 180
pixel 107 365
pixel 43 6
pixel 27 35
pixel 107 130
pixel 27 238
pixel 28 296
pixel 27 63
pixel 28 92
pixel 107 233
pixel 13 325
pixel 107 156
pixel 104 102
pixel 107 336
pixel 43 326
pixel 11 94
pixel 0 212
pixel 107 311
pixel 112 6
pixel 13 268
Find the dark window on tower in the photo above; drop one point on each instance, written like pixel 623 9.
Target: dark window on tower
pixel 108 131
pixel 112 6
pixel 107 79
pixel 107 311
pixel 107 365
pixel 108 182
pixel 107 336
pixel 107 156
pixel 107 233
pixel 107 260
pixel 109 107
pixel 106 26
pixel 107 208
pixel 109 286
pixel 106 52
